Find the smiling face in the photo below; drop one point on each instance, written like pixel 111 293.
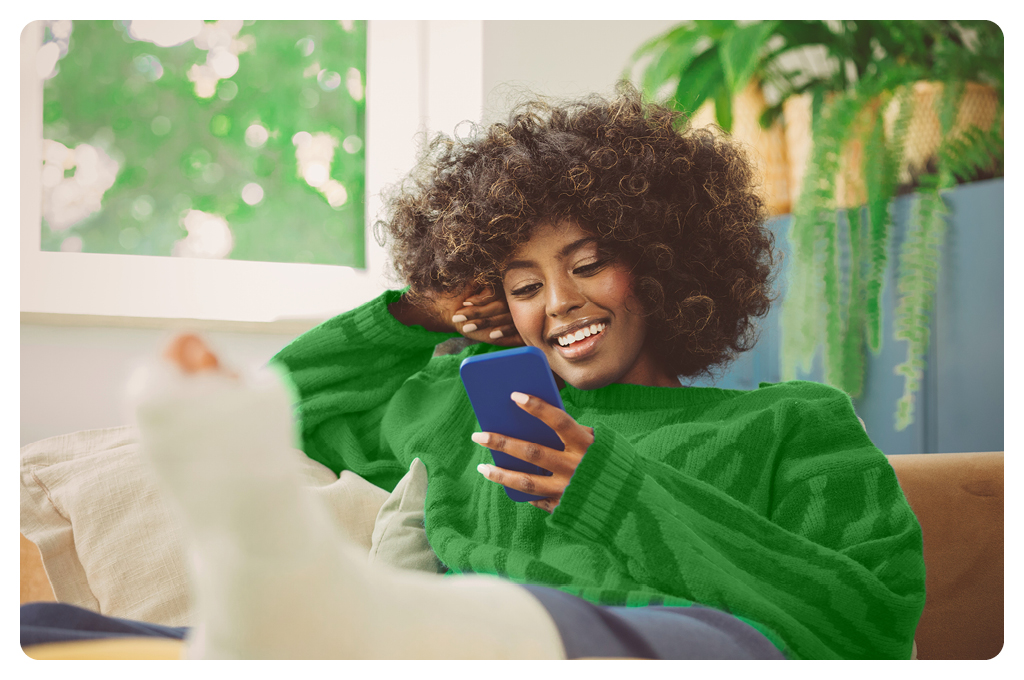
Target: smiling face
pixel 575 304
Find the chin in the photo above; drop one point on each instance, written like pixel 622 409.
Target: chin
pixel 585 380
pixel 591 375
pixel 587 384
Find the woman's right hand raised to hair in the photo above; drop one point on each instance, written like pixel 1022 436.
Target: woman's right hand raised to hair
pixel 478 314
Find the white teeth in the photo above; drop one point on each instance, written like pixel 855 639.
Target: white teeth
pixel 570 338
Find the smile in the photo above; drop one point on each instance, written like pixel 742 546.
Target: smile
pixel 582 343
pixel 580 335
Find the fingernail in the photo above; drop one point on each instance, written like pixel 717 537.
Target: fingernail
pixel 496 334
pixel 467 303
pixel 483 469
pixel 480 437
pixel 458 318
pixel 520 398
pixel 469 328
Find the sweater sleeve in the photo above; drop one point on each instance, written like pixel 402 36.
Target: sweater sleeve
pixel 345 371
pixel 835 568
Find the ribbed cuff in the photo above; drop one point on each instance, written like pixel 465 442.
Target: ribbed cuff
pixel 602 489
pixel 375 323
pixel 367 327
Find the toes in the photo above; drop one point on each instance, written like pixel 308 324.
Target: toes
pixel 189 353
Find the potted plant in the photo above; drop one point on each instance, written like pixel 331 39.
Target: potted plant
pixel 867 84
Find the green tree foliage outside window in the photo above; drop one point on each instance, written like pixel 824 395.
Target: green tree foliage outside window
pixel 237 140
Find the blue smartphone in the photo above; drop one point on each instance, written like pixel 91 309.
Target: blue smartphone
pixel 490 379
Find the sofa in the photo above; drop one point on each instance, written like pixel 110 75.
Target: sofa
pixel 958 499
pixel 95 533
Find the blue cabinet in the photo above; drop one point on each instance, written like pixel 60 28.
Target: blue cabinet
pixel 960 405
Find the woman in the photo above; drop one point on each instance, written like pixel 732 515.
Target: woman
pixel 703 523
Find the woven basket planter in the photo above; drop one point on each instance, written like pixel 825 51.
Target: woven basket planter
pixel 767 147
pixel 977 107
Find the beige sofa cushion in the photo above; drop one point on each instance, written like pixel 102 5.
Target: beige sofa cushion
pixel 399 538
pixel 108 540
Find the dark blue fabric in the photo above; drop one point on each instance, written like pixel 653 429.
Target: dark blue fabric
pixel 587 630
pixel 57 622
pixel 652 632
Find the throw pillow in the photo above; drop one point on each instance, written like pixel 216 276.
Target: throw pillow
pixel 399 538
pixel 109 541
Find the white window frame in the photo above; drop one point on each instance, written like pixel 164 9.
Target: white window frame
pixel 421 76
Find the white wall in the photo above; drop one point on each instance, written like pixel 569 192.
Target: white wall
pixel 72 376
pixel 557 58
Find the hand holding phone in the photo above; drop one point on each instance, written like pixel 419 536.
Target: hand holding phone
pixel 537 427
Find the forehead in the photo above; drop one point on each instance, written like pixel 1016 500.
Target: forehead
pixel 547 238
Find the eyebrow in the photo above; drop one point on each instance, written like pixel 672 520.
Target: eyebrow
pixel 575 245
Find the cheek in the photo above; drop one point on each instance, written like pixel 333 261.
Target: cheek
pixel 616 290
pixel 527 321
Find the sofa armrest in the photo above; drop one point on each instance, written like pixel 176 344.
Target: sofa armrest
pixel 958 499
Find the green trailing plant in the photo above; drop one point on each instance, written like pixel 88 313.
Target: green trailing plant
pixel 863 70
pixel 718 59
pixel 959 157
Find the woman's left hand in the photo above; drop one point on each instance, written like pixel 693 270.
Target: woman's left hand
pixel 577 439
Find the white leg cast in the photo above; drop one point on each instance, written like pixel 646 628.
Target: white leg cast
pixel 272 577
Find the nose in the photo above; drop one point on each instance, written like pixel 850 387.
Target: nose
pixel 564 295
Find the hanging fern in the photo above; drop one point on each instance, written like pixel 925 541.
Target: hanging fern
pixel 920 260
pixel 851 375
pixel 814 264
pixel 882 161
pixel 920 255
pixel 845 321
pixel 817 288
pixel 974 151
pixel 961 156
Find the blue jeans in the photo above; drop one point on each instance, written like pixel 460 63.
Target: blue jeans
pixel 587 630
pixel 56 622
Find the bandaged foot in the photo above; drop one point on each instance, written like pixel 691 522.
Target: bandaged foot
pixel 272 577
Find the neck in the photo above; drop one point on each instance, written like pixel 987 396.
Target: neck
pixel 656 381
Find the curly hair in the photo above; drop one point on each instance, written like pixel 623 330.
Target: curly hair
pixel 679 205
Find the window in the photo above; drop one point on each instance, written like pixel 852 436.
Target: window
pixel 205 139
pixel 417 74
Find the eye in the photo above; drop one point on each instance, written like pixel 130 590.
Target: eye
pixel 589 269
pixel 527 290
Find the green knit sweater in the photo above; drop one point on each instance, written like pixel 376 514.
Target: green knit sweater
pixel 771 504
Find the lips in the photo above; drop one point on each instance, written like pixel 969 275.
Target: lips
pixel 583 347
pixel 572 338
pixel 575 327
